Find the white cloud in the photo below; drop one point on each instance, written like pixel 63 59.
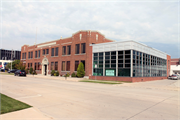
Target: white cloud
pixel 141 21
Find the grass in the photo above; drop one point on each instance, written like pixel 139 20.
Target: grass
pixel 101 81
pixel 5 73
pixel 9 104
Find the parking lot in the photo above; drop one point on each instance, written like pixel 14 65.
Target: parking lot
pixel 61 100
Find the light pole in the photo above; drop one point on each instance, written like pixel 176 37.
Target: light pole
pixel 11 58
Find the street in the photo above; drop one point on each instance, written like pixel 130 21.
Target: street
pixel 61 100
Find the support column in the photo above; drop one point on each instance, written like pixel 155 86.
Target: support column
pixel 131 63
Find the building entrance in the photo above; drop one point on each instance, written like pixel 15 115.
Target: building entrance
pixel 45 66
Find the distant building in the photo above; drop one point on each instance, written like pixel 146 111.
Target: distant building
pixel 10 54
pixel 3 63
pixel 175 66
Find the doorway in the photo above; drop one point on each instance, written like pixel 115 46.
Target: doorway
pixel 45 71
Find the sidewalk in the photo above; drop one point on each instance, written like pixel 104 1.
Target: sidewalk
pixel 26 114
pixel 56 77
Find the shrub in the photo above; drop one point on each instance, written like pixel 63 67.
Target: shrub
pixel 31 70
pixel 52 72
pixel 34 72
pixel 56 73
pixel 26 71
pixel 80 70
pixel 73 75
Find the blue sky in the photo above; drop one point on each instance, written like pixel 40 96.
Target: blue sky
pixel 153 22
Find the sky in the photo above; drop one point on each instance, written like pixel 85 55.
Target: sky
pixel 152 22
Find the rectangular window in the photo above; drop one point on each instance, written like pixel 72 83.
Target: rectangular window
pixel 47 51
pixel 68 50
pixel 35 54
pixel 35 66
pixel 52 65
pixel 56 52
pixel 25 56
pixel 77 49
pixel 39 53
pixel 68 66
pixel 76 65
pixel 43 51
pixel 39 66
pixel 83 47
pixel 63 66
pixel 83 61
pixel 31 54
pixel 52 51
pixel 64 50
pixel 56 65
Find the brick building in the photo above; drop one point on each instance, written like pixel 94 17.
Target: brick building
pixel 63 54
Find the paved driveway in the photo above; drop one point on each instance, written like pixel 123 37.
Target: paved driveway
pixel 61 100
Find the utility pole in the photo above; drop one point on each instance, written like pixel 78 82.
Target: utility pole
pixel 11 58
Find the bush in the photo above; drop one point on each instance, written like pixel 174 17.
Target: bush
pixel 73 75
pixel 52 72
pixel 34 72
pixel 26 71
pixel 56 73
pixel 80 70
pixel 31 70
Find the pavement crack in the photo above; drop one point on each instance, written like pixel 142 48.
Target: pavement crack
pixel 148 108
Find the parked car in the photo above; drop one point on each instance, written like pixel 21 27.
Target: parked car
pixel 20 73
pixel 12 71
pixel 175 77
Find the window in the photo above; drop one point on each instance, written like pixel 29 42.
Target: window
pixel 56 52
pixel 83 61
pixel 56 65
pixel 52 65
pixel 77 49
pixel 35 66
pixel 39 66
pixel 39 53
pixel 68 66
pixel 68 50
pixel 35 54
pixel 83 48
pixel 43 51
pixel 47 51
pixel 31 54
pixel 52 51
pixel 63 66
pixel 25 56
pixel 76 65
pixel 64 50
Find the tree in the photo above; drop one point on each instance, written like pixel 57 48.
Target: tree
pixel 14 63
pixel 80 70
pixel 20 66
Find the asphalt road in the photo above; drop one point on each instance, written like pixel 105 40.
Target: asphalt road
pixel 68 100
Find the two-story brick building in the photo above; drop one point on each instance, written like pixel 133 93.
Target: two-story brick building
pixel 63 54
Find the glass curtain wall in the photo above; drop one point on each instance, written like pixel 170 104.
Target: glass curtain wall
pixel 145 65
pixel 118 63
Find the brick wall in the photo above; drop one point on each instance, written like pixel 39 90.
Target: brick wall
pixel 88 37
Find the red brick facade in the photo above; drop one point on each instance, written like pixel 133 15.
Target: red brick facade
pixel 88 37
pixel 175 61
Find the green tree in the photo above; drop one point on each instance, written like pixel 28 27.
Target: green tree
pixel 31 70
pixel 20 66
pixel 14 64
pixel 80 70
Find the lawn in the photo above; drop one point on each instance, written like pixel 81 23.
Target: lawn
pixel 101 81
pixel 5 73
pixel 9 104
